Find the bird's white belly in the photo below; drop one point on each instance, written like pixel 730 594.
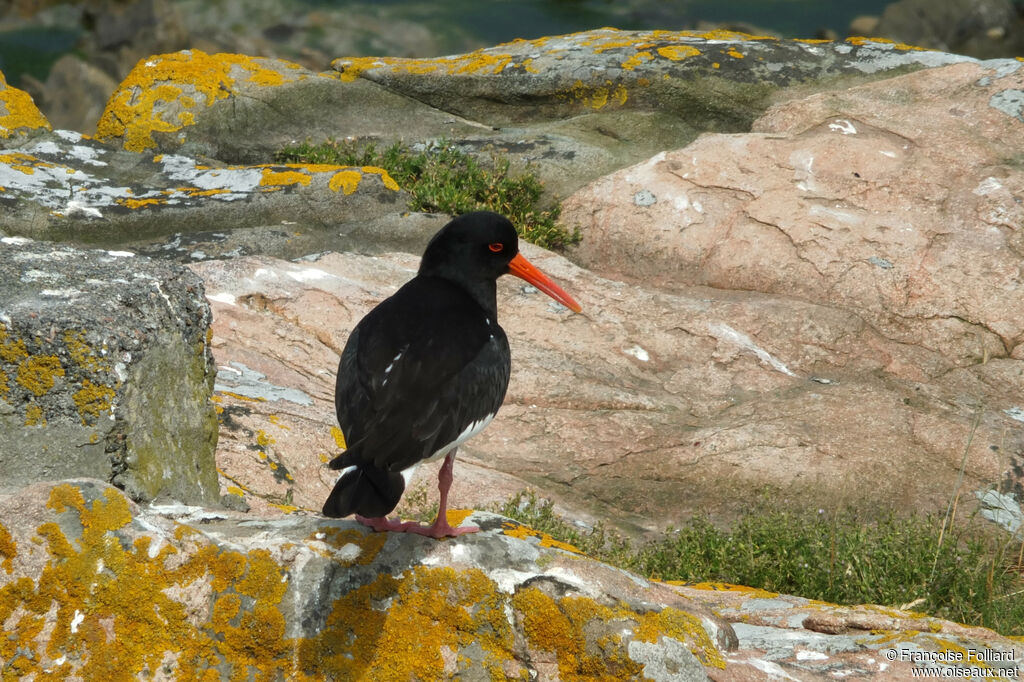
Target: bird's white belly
pixel 467 433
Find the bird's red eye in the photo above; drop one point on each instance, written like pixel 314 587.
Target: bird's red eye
pixel 496 247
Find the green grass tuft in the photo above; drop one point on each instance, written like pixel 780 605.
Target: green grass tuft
pixel 978 578
pixel 443 179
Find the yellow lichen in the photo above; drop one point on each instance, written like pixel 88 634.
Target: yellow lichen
pixel 638 59
pixel 178 83
pixel 139 203
pixel 345 180
pixel 385 177
pixel 725 587
pixel 93 399
pixel 83 354
pixel 271 178
pixel 859 40
pixel 8 550
pixel 678 52
pixel 11 350
pixel 18 111
pixel 37 373
pixel 734 53
pixel 521 532
pixel 4 388
pixel 34 416
pixel 262 439
pixel 339 437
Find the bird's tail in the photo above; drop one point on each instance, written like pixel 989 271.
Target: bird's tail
pixel 365 490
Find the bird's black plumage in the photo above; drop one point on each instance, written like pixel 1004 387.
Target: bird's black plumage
pixel 423 366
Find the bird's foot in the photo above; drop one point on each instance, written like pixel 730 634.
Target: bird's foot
pixel 383 523
pixel 440 528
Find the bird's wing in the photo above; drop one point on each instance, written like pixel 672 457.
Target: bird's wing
pixel 414 371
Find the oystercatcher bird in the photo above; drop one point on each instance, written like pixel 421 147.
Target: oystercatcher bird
pixel 426 370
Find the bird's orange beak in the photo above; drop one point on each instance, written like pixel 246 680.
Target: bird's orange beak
pixel 524 269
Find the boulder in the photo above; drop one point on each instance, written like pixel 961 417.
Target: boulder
pixel 19 115
pixel 105 371
pixel 574 107
pixel 651 406
pixel 92 585
pixel 62 186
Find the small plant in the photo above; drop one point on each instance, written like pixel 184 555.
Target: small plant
pixel 972 577
pixel 441 178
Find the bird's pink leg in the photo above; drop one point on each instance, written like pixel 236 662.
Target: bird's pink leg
pixel 440 528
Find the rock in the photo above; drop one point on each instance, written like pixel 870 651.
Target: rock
pixel 105 371
pixel 849 199
pixel 91 584
pixel 575 107
pixel 612 413
pixel 62 186
pixel 980 28
pixel 19 115
pixel 75 93
pixel 180 591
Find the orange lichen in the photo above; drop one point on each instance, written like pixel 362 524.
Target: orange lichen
pixel 8 550
pixel 106 606
pixel 859 40
pixel 93 399
pixel 83 354
pixel 272 178
pixel 18 111
pixel 345 180
pixel 339 437
pixel 34 416
pixel 678 52
pixel 521 532
pixel 725 587
pixel 38 373
pixel 139 203
pixel 177 84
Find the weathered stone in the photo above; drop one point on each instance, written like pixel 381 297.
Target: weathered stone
pixel 105 371
pixel 90 582
pixel 64 187
pixel 575 107
pixel 849 199
pixel 612 413
pixel 18 115
pixel 92 585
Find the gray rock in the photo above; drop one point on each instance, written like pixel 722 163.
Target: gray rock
pixel 61 186
pixel 105 371
pixel 300 597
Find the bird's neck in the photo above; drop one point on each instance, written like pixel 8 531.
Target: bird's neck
pixel 484 292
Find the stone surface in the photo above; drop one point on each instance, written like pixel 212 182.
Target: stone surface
pixel 105 371
pixel 575 106
pixel 19 115
pixel 614 412
pixel 92 586
pixel 61 186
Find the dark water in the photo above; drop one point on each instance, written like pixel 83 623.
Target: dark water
pixel 461 25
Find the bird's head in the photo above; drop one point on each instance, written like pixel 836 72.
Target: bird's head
pixel 480 247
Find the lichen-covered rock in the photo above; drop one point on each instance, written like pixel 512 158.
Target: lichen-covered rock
pixel 717 80
pixel 64 187
pixel 240 109
pixel 18 114
pixel 105 371
pixel 95 587
pixel 575 106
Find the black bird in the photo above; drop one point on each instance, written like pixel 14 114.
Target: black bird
pixel 426 370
